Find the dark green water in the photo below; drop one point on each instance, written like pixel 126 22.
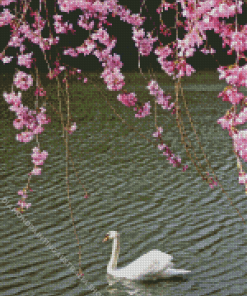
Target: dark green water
pixel 132 189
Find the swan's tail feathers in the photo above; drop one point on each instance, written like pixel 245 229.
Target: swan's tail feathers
pixel 173 271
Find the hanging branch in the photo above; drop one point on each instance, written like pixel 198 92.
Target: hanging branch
pixel 67 174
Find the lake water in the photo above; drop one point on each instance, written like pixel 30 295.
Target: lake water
pixel 132 190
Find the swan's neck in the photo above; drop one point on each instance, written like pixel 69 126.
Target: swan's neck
pixel 112 265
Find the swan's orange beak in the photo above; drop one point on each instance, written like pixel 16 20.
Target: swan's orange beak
pixel 106 238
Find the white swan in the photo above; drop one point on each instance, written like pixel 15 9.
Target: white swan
pixel 150 266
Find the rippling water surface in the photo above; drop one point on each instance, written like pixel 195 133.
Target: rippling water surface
pixel 133 190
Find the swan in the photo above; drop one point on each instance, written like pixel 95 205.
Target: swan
pixel 150 266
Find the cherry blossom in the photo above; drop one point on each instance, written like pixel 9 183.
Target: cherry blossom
pixel 144 44
pixel 158 133
pixel 127 99
pixel 23 193
pixel 226 122
pixel 72 128
pixel 231 95
pixel 240 143
pixel 208 51
pixel 87 47
pixel 5 17
pixel 25 137
pixel 25 60
pixel 39 157
pixel 60 27
pixel 40 92
pixel 23 80
pixel 32 120
pixel 6 59
pixel 36 171
pixel 12 98
pixel 242 178
pixel 241 118
pixel 23 204
pixel 6 2
pixel 161 98
pixel 143 111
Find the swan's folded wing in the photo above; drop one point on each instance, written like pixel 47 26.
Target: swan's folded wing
pixel 148 265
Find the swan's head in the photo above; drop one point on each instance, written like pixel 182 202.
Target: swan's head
pixel 111 235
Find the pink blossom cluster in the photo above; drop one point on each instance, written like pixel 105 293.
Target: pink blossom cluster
pixel 13 99
pixel 231 94
pixel 224 10
pixel 40 92
pixel 242 178
pixel 38 160
pixel 39 22
pixel 241 117
pixel 6 2
pixel 235 75
pixel 209 15
pixel 240 143
pixel 60 27
pixel 56 71
pixel 144 44
pixel 5 17
pixel 184 69
pixel 158 133
pixel 227 122
pixel 208 51
pixel 111 63
pixel 71 129
pixel 25 60
pixel 192 39
pixel 163 53
pixel 22 80
pixel 112 76
pixel 164 5
pixel 22 202
pixel 84 23
pixel 237 41
pixel 30 119
pixel 6 59
pixel 165 31
pixel 181 68
pixel 87 47
pixel 143 111
pixel 71 52
pixel 231 120
pixel 161 98
pixel 170 156
pixel 34 36
pixel 128 99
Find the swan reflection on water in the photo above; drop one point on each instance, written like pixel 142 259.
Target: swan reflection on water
pixel 151 266
pixel 122 286
pixel 127 286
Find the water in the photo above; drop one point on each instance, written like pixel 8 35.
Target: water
pixel 133 190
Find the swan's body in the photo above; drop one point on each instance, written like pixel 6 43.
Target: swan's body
pixel 150 266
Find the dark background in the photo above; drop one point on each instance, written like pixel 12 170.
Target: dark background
pixel 125 45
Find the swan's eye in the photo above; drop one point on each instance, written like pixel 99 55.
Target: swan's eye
pixel 106 238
